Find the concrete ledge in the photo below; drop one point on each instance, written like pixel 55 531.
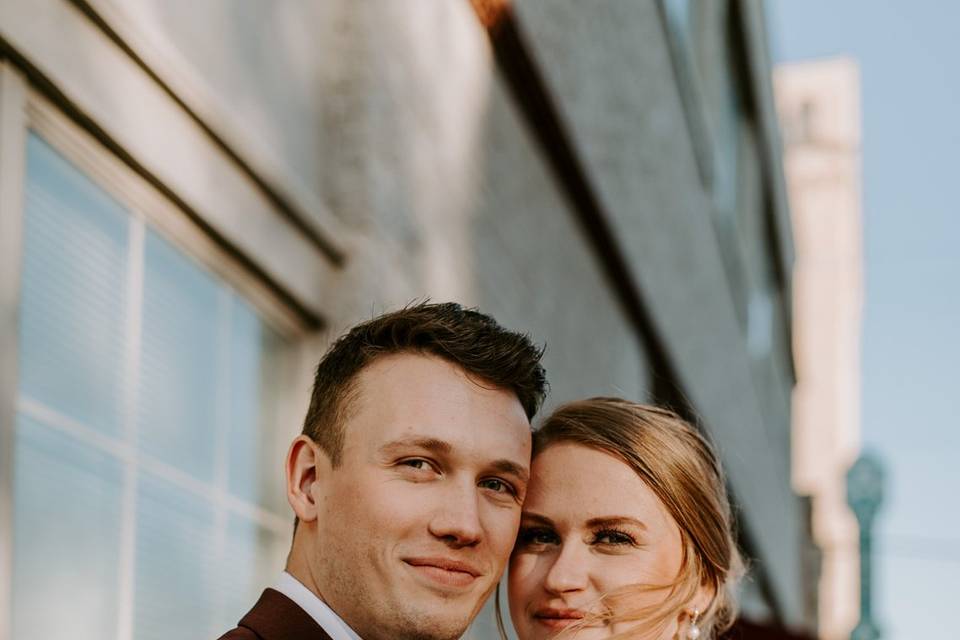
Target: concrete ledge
pixel 113 92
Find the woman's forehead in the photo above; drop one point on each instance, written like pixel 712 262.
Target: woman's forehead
pixel 577 484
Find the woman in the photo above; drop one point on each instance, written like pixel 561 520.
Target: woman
pixel 626 529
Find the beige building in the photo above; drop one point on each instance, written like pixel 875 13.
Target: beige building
pixel 820 111
pixel 196 196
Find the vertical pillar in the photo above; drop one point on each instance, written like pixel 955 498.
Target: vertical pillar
pixel 865 494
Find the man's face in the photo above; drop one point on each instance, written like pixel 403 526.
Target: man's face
pixel 416 525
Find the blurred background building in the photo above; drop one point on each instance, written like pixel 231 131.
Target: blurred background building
pixel 196 196
pixel 912 267
pixel 819 105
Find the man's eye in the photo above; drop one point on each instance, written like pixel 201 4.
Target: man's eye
pixel 497 485
pixel 417 463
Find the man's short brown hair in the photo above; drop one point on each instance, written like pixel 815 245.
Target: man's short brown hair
pixel 470 339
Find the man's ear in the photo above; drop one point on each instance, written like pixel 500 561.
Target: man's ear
pixel 306 465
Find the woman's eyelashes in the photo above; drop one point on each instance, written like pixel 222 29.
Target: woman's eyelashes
pixel 614 537
pixel 537 537
pixel 607 538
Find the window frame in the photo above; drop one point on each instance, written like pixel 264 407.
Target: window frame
pixel 13 141
pixel 24 110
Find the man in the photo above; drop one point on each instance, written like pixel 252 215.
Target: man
pixel 407 480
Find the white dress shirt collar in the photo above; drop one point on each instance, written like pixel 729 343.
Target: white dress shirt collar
pixel 316 608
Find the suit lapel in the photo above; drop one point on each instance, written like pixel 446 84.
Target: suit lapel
pixel 277 617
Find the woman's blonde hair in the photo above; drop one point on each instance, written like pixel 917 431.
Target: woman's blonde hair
pixel 683 470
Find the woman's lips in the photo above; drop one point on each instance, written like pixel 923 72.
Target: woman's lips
pixel 558 618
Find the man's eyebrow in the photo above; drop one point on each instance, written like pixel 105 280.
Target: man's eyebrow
pixel 511 467
pixel 430 444
pixel 613 521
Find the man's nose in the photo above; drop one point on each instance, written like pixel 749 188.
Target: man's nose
pixel 569 571
pixel 457 518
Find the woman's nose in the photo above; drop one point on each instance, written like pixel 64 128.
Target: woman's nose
pixel 569 571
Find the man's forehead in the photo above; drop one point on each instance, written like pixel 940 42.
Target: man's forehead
pixel 409 368
pixel 430 385
pixel 403 397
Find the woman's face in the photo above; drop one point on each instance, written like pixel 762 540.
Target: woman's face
pixel 590 525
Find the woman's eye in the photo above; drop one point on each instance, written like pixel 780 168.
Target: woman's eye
pixel 537 537
pixel 496 485
pixel 613 538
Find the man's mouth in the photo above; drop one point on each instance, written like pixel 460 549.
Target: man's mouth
pixel 445 571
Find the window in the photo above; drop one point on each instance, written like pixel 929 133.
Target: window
pixel 707 48
pixel 147 493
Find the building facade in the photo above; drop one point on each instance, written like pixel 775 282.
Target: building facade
pixel 196 197
pixel 819 103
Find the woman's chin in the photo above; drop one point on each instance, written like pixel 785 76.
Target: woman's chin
pixel 548 628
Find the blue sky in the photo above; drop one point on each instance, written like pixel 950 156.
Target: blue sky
pixel 908 54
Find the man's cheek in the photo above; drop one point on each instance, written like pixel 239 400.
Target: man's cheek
pixel 393 504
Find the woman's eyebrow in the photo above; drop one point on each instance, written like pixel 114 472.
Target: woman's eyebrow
pixel 613 521
pixel 536 517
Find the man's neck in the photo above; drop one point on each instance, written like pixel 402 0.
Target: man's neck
pixel 311 602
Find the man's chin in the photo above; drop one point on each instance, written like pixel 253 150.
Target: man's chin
pixel 429 621
pixel 438 614
pixel 434 605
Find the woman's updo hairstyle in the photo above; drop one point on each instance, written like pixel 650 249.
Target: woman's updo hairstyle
pixel 682 469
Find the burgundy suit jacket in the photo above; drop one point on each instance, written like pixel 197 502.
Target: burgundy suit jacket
pixel 276 617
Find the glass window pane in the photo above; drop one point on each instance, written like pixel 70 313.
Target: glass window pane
pixel 241 581
pixel 180 360
pixel 255 467
pixel 208 376
pixel 245 363
pixel 73 295
pixel 67 501
pixel 175 572
pixel 678 14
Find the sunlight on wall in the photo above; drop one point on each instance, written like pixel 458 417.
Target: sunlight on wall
pixel 819 107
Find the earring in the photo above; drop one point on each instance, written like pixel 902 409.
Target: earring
pixel 693 632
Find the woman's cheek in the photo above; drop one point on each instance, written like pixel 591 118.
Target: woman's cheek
pixel 523 580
